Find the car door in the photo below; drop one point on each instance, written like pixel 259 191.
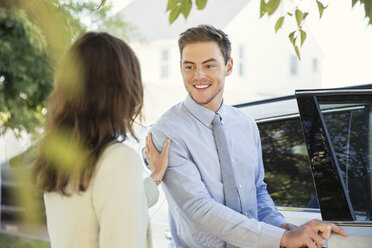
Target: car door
pixel 287 170
pixel 337 127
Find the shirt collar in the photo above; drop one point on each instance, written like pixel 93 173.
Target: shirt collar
pixel 222 112
pixel 203 114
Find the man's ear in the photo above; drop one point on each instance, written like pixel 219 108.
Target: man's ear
pixel 229 67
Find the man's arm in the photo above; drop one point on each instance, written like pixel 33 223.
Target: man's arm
pixel 186 191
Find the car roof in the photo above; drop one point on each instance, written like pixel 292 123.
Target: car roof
pixel 280 107
pixel 272 108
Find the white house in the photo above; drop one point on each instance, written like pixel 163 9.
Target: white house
pixel 10 145
pixel 265 64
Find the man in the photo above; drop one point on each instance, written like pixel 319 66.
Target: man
pixel 196 182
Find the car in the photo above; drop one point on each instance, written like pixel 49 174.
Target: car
pixel 317 153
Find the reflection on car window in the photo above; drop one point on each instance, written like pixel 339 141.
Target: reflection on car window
pixel 287 170
pixel 350 130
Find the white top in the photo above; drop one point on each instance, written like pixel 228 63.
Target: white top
pixel 112 212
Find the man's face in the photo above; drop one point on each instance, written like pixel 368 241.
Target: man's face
pixel 203 71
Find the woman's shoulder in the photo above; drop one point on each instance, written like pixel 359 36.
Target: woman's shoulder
pixel 118 157
pixel 118 150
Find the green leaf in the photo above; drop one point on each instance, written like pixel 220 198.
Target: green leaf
pixel 101 4
pixel 289 13
pixel 292 38
pixel 200 4
pixel 279 23
pixel 186 8
pixel 172 4
pixel 305 15
pixel 263 8
pixel 299 17
pixel 297 52
pixel 303 37
pixel 272 6
pixel 354 2
pixel 174 13
pixel 321 8
pixel 368 10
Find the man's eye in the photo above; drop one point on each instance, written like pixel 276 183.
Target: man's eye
pixel 211 66
pixel 188 67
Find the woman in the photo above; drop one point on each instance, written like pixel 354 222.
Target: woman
pixel 92 183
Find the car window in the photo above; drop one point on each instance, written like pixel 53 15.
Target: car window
pixel 287 170
pixel 349 124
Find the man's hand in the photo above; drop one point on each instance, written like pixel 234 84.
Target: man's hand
pixel 158 162
pixel 311 234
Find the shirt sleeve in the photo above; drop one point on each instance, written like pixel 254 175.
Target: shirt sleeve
pixel 187 193
pixel 119 200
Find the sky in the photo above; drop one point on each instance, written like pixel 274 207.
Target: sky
pixel 344 37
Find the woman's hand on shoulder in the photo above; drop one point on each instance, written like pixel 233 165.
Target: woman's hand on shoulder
pixel 158 162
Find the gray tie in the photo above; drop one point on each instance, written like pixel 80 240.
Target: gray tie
pixel 229 185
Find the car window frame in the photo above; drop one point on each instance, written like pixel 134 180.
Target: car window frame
pixel 325 169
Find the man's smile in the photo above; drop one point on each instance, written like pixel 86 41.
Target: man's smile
pixel 201 86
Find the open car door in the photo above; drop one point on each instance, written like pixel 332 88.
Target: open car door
pixel 337 126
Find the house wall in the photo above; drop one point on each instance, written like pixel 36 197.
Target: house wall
pixel 267 63
pixel 10 145
pixel 268 58
pixel 160 92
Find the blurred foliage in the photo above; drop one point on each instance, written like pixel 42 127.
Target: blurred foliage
pixel 10 241
pixel 34 35
pixel 25 72
pixel 287 170
pixel 269 7
pixel 64 150
pixel 20 190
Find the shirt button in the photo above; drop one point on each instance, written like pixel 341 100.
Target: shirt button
pixel 246 213
pixel 240 186
pixel 232 160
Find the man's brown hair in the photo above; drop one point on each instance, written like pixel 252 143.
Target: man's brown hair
pixel 97 97
pixel 206 33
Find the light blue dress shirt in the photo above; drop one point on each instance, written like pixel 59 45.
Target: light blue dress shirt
pixel 193 186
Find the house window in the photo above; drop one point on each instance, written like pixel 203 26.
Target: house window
pixel 164 64
pixel 241 60
pixel 315 64
pixel 293 62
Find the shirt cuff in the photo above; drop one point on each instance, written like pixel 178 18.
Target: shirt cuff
pixel 271 236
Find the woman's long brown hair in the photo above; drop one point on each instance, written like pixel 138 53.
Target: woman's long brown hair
pixel 97 97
